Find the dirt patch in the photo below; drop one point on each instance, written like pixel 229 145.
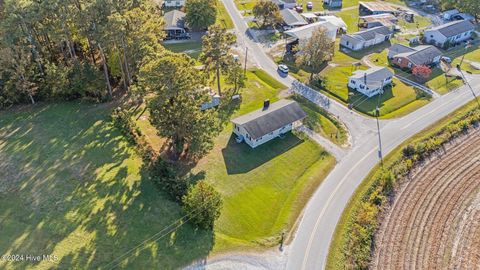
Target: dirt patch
pixel 434 221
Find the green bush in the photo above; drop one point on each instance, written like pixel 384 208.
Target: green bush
pixel 202 203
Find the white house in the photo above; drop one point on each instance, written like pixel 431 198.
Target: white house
pixel 449 34
pixel 174 3
pixel 175 25
pixel 268 123
pixel 370 82
pixel 366 38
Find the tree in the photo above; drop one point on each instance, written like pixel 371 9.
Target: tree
pixel 422 72
pixel 235 75
pixel 215 51
pixel 314 52
pixel 175 110
pixel 200 13
pixel 202 203
pixel 267 11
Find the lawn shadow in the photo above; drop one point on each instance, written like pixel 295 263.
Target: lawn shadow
pixel 72 186
pixel 240 158
pixel 368 105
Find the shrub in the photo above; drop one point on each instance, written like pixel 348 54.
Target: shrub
pixel 202 203
pixel 166 178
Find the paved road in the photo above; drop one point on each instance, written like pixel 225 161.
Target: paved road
pixel 309 248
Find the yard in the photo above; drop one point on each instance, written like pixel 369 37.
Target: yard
pixel 264 189
pixel 400 100
pixel 192 48
pixel 73 187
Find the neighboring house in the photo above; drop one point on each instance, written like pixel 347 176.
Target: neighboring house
pixel 333 3
pixel 408 57
pixel 174 3
pixel 175 24
pixel 285 3
pixel 367 38
pixel 291 18
pixel 268 123
pixel 449 34
pixel 372 21
pixel 373 8
pixel 336 21
pixel 370 82
pixel 297 36
pixel 448 15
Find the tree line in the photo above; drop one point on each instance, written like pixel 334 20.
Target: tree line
pixel 66 49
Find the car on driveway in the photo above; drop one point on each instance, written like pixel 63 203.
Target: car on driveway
pixel 283 68
pixel 309 5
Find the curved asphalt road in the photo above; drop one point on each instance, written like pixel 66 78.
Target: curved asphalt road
pixel 309 248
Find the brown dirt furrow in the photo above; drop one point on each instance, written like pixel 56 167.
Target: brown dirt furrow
pixel 432 204
pixel 400 208
pixel 434 222
pixel 440 221
pixel 411 201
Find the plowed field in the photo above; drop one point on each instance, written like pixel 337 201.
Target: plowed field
pixel 434 222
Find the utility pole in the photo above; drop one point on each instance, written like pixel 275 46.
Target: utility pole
pixel 459 68
pixel 377 115
pixel 246 57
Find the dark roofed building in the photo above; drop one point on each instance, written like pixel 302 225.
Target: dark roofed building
pixel 420 55
pixel 450 33
pixel 292 18
pixel 265 124
pixel 370 82
pixel 175 25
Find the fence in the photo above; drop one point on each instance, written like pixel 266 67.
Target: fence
pixel 310 94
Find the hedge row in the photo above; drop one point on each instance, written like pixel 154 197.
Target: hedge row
pixel 365 219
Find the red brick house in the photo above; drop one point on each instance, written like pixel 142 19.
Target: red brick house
pixel 406 57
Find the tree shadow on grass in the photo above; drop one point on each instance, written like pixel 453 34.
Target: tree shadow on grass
pixel 241 158
pixel 73 187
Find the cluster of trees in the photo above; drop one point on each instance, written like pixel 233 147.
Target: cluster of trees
pixel 65 49
pixel 201 14
pixel 469 6
pixel 314 52
pixel 267 12
pixel 364 218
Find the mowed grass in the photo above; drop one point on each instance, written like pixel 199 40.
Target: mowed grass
pixel 322 123
pixel 223 18
pixel 264 189
pixel 73 187
pixel 192 48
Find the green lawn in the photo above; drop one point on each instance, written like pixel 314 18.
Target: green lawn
pixel 73 187
pixel 192 48
pixel 261 197
pixel 223 18
pixel 322 123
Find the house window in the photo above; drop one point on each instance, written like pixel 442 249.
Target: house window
pixel 431 36
pixel 353 82
pixel 399 60
pixel 410 65
pixel 362 86
pixel 388 78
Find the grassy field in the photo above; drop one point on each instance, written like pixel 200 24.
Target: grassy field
pixel 72 186
pixel 192 48
pixel 396 102
pixel 223 18
pixel 336 258
pixel 262 198
pixel 322 123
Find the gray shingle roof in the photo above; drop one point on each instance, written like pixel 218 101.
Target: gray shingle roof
pixel 422 55
pixel 279 114
pixel 399 48
pixel 292 18
pixel 453 28
pixel 370 34
pixel 375 76
pixel 174 19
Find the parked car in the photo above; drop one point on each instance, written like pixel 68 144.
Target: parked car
pixel 299 9
pixel 309 5
pixel 283 68
pixel 446 59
